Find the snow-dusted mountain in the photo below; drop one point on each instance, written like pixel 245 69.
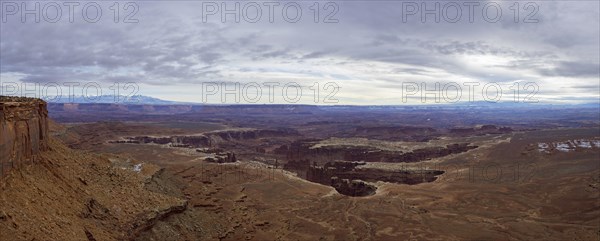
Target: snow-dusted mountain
pixel 114 99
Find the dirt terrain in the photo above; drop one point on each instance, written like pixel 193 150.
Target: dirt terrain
pixel 491 193
pixel 303 173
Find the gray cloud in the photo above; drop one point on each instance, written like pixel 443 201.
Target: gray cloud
pixel 171 45
pixel 573 69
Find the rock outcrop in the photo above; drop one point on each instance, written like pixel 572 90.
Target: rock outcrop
pixel 480 131
pixel 228 157
pixel 300 150
pixel 354 188
pixel 209 139
pixel 349 180
pixel 75 195
pixel 23 131
pixel 396 133
pixel 68 195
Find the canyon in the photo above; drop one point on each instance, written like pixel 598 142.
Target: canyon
pixel 286 172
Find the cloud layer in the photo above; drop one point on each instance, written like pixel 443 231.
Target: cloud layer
pixel 372 51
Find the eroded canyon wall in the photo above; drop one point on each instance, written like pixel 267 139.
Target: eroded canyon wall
pixel 23 131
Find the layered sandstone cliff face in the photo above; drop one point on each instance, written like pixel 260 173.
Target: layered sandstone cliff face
pixel 69 194
pixel 23 131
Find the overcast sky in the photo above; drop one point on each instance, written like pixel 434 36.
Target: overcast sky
pixel 370 53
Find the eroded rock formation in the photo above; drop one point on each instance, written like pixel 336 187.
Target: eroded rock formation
pixel 69 195
pixel 480 131
pixel 349 180
pixel 23 131
pixel 300 150
pixel 209 139
pixel 227 157
pixel 354 188
pixel 403 133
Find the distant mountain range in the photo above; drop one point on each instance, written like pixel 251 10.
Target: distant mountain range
pixel 511 104
pixel 147 100
pixel 115 99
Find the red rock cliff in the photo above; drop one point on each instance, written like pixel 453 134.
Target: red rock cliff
pixel 23 131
